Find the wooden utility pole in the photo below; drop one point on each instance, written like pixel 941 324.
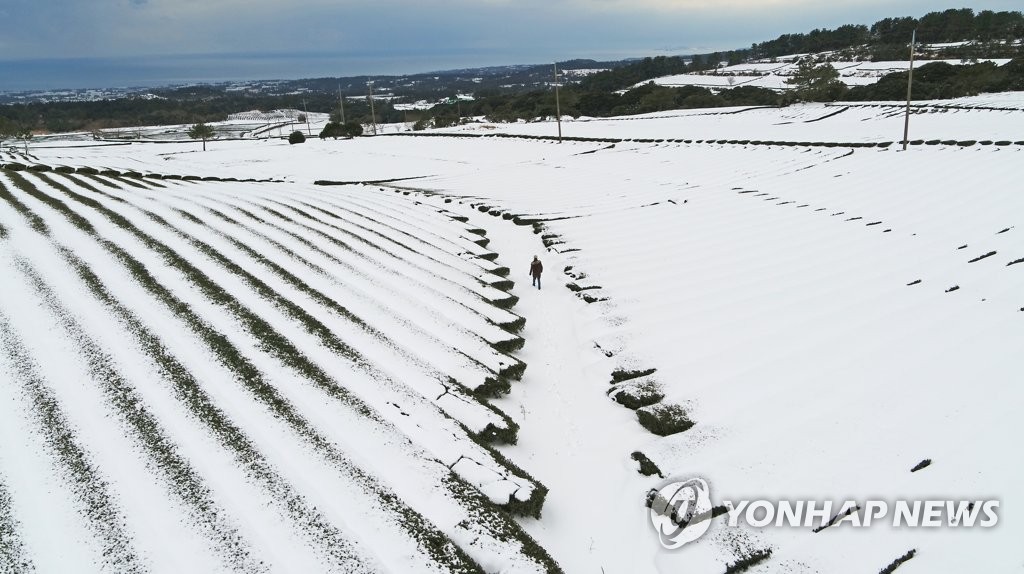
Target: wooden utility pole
pixel 558 106
pixel 910 81
pixel 341 104
pixel 305 113
pixel 373 114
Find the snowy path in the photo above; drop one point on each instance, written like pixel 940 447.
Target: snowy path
pixel 572 437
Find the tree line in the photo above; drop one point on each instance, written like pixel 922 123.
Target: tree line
pixel 953 25
pixel 618 90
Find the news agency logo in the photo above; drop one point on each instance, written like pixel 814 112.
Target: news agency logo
pixel 681 511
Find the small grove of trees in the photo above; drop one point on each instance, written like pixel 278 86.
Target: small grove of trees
pixel 9 129
pixel 575 102
pixel 338 130
pixel 202 131
pixel 947 26
pixel 939 80
pixel 816 83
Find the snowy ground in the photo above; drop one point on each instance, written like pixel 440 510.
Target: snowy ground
pixel 774 75
pixel 827 316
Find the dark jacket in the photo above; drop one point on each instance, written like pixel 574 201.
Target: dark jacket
pixel 536 268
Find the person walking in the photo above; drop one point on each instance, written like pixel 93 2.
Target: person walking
pixel 536 268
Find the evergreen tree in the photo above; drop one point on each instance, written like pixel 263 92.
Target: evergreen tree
pixel 203 132
pixel 814 83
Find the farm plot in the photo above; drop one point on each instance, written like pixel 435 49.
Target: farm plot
pixel 823 322
pixel 247 377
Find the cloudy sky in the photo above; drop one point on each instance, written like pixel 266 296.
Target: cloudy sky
pixel 232 39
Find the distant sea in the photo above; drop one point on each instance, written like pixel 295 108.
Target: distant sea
pixel 154 71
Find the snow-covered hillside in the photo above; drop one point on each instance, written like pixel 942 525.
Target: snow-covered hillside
pixel 774 75
pixel 216 377
pixel 827 316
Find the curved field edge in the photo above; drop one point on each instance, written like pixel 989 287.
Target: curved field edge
pixel 508 529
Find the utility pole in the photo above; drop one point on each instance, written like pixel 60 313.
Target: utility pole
pixel 558 106
pixel 341 104
pixel 305 113
pixel 910 80
pixel 373 114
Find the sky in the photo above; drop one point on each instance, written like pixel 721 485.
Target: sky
pixel 108 43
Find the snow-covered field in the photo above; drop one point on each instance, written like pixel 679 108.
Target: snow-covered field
pixel 774 75
pixel 214 375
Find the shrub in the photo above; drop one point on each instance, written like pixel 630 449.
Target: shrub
pixel 897 562
pixel 506 303
pixel 64 169
pixel 647 467
pixel 620 375
pixel 492 388
pixel 520 220
pixel 748 561
pixel 664 419
pixel 637 393
pixel 509 345
pixel 514 326
pixel 514 370
pixel 39 167
pixel 14 166
pixel 504 284
pixel 331 130
pixel 296 137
